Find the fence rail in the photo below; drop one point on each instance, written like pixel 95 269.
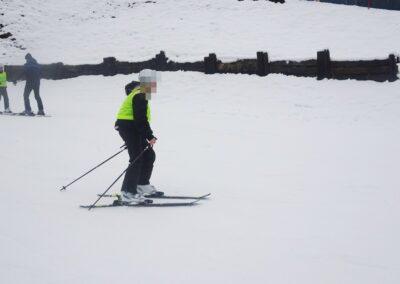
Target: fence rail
pixel 322 67
pixel 379 4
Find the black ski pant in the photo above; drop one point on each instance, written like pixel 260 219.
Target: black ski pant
pixel 29 87
pixel 3 93
pixel 139 172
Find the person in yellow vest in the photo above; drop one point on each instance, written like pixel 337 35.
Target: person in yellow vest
pixel 133 125
pixel 3 89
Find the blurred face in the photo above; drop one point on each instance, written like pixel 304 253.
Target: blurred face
pixel 148 82
pixel 149 88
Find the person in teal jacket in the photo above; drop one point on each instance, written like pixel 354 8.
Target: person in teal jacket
pixel 3 89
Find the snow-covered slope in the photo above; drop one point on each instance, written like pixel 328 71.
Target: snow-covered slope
pixel 79 31
pixel 304 177
pixel 303 173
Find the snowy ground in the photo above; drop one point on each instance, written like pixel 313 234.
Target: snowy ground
pixel 304 177
pixel 85 31
pixel 303 173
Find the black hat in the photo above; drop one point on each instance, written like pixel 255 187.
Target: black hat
pixel 129 87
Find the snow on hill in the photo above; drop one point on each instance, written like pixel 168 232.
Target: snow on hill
pixel 303 173
pixel 80 31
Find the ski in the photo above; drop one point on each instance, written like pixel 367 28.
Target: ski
pixel 23 115
pixel 7 113
pixel 34 115
pixel 117 203
pixel 182 197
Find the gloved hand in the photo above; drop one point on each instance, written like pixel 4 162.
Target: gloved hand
pixel 152 142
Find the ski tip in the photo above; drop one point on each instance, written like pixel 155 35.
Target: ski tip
pixel 205 196
pixel 200 198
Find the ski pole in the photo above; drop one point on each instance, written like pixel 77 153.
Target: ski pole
pixel 124 147
pixel 130 165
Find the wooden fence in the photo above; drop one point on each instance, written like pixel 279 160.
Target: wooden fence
pixel 379 4
pixel 322 67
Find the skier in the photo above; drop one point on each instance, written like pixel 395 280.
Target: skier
pixel 133 125
pixel 3 89
pixel 32 75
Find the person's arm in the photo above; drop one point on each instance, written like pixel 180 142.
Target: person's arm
pixel 139 105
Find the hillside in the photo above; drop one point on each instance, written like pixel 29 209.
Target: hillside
pixel 85 31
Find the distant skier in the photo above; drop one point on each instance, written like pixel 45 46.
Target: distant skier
pixel 32 74
pixel 133 125
pixel 3 89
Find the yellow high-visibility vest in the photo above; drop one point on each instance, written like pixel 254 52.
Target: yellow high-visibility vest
pixel 126 110
pixel 3 79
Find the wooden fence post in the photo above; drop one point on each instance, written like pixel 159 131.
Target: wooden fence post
pixel 59 70
pixel 263 67
pixel 161 61
pixel 210 64
pixel 323 65
pixel 109 66
pixel 393 68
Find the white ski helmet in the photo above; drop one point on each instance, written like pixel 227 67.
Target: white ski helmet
pixel 147 76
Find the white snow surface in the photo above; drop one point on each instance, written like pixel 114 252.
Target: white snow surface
pixel 303 173
pixel 303 176
pixel 85 31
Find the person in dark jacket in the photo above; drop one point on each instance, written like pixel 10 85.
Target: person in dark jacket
pixel 32 75
pixel 133 125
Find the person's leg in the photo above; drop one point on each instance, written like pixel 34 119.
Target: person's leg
pixel 6 101
pixel 132 175
pixel 27 91
pixel 36 89
pixel 2 94
pixel 147 166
